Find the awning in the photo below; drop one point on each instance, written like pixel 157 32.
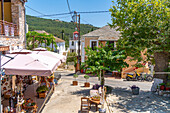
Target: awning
pixel 31 64
pixel 51 54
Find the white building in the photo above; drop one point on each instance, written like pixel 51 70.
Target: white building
pixel 59 42
pixel 60 46
pixel 73 43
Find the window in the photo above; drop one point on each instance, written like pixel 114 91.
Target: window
pixel 72 43
pixel 111 44
pixel 93 44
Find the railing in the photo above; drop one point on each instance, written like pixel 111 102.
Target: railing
pixel 8 29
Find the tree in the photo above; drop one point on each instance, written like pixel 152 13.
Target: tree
pixel 144 24
pixel 35 39
pixel 55 27
pixel 71 57
pixel 104 58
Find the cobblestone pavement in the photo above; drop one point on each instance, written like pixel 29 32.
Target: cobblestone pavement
pixel 122 100
pixel 66 98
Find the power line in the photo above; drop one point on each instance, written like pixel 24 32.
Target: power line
pixel 68 6
pixel 54 14
pixel 35 10
pixel 77 12
pixel 85 21
pixel 94 12
pixel 42 13
pixel 62 17
pixel 69 9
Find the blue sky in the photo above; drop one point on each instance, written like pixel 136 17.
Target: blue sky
pixel 60 6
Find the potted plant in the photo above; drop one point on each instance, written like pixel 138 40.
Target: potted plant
pixel 75 82
pixel 82 68
pixel 162 86
pixel 86 84
pixel 167 86
pixel 42 91
pixel 135 90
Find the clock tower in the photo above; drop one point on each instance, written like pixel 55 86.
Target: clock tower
pixel 75 35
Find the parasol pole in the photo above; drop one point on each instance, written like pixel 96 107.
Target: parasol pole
pixel 102 110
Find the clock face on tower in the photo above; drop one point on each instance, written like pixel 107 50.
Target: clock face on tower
pixel 76 36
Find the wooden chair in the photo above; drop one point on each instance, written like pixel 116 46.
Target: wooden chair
pixel 85 104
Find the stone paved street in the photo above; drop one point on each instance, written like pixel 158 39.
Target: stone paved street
pixel 66 98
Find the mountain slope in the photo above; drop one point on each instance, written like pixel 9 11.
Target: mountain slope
pixel 56 27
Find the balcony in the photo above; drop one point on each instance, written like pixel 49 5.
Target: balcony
pixel 8 29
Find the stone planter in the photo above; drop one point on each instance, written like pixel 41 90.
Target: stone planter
pixel 135 91
pixel 42 94
pixel 75 83
pixel 86 84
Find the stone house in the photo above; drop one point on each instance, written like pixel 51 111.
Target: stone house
pixel 104 35
pixel 12 23
pixel 59 42
pixel 101 35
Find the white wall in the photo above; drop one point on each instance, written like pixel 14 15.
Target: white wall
pixel 60 47
pixel 75 46
pixel 82 52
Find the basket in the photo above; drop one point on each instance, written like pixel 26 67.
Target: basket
pixel 95 99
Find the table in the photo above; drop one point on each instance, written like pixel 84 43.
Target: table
pixel 96 102
pixel 28 105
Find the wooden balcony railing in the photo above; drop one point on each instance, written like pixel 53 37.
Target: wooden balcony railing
pixel 8 29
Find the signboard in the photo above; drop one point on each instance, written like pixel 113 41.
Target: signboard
pixel 4 48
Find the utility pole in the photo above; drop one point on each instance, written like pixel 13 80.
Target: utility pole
pixel 33 42
pixel 78 27
pixel 79 46
pixel 62 33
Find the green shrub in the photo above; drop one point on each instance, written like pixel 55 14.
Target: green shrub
pixel 42 89
pixel 75 76
pixel 86 77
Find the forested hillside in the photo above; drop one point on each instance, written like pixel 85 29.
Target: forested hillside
pixel 56 27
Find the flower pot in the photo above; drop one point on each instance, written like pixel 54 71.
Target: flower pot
pixel 86 84
pixel 167 88
pixel 82 71
pixel 42 94
pixel 135 91
pixel 75 83
pixel 162 87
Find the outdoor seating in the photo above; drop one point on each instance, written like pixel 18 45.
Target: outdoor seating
pixel 93 93
pixel 95 102
pixel 85 104
pixel 29 105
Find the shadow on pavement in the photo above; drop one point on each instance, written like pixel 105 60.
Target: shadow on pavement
pixel 145 101
pixel 70 74
pixel 85 92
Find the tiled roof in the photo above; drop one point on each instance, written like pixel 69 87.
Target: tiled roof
pixel 104 33
pixel 56 38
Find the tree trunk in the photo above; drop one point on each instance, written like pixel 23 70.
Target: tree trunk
pixel 161 63
pixel 102 78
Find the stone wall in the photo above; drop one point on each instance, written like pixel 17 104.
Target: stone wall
pixel 18 17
